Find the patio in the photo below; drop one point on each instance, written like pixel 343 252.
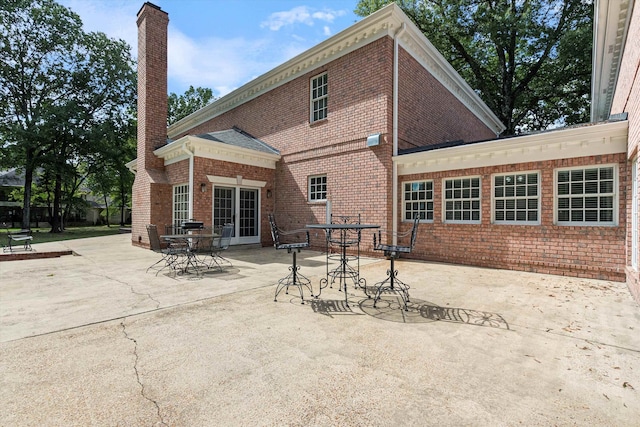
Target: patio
pixel 93 340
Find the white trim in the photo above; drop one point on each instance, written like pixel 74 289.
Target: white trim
pixel 584 141
pixel 204 148
pixel 404 201
pixel 538 197
pixel 444 200
pixel 312 109
pixel 616 197
pixel 237 181
pixel 610 28
pixel 326 192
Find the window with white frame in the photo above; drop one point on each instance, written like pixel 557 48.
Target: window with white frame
pixel 462 200
pixel 516 198
pixel 317 188
pixel 180 203
pixel 586 195
pixel 418 200
pixel 319 97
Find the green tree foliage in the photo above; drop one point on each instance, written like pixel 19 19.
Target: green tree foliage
pixel 192 100
pixel 529 60
pixel 59 87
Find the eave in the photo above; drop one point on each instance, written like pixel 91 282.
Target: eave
pixel 599 139
pixel 610 27
pixel 186 146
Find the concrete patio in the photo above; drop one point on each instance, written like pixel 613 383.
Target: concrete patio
pixel 93 340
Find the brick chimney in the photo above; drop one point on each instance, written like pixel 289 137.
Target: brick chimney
pixel 151 200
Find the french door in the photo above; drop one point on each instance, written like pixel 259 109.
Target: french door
pixel 240 206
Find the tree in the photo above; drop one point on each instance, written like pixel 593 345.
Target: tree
pixel 57 85
pixel 192 100
pixel 530 61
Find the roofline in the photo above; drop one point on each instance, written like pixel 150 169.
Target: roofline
pixel 597 139
pixel 205 148
pixel 384 22
pixel 610 27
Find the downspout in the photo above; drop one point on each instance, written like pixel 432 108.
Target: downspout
pixel 190 154
pixel 394 167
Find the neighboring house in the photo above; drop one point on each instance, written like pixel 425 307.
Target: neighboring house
pixel 375 121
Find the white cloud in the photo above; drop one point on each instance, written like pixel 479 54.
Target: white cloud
pixel 300 14
pixel 220 64
pixel 115 18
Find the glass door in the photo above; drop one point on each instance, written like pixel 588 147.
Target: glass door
pixel 240 206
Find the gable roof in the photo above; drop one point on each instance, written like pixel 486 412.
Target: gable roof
pixel 238 138
pixel 387 21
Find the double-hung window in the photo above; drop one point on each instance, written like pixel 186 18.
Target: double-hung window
pixel 418 200
pixel 317 188
pixel 586 196
pixel 516 198
pixel 462 200
pixel 180 203
pixel 319 97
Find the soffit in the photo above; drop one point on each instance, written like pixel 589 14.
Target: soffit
pixel 598 139
pixel 611 23
pixel 186 146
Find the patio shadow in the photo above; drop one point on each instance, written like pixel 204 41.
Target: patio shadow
pixel 423 311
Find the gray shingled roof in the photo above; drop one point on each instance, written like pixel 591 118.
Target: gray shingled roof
pixel 239 138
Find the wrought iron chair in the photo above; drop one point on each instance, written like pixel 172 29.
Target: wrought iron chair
pixel 392 283
pixel 170 253
pixel 219 245
pixel 294 278
pixel 352 240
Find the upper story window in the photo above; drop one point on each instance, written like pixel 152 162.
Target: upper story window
pixel 516 198
pixel 462 200
pixel 586 196
pixel 317 188
pixel 319 96
pixel 418 200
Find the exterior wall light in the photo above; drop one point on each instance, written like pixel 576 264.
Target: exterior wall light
pixel 203 187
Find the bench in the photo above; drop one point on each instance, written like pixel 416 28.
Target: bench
pixel 22 237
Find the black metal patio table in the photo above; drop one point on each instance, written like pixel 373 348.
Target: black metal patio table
pixel 190 242
pixel 343 229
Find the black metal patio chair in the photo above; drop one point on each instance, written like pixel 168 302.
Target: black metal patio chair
pixel 169 253
pixel 294 278
pixel 392 284
pixel 219 245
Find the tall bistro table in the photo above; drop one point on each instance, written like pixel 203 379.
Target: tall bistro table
pixel 344 230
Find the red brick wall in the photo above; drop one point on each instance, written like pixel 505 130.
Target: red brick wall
pixel 627 99
pixel 428 113
pixel 594 252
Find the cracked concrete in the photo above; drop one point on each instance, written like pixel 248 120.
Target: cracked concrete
pixel 93 340
pixel 135 369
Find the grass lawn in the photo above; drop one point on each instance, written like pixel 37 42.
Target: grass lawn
pixel 42 234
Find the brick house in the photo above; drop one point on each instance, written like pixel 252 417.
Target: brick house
pixel 375 121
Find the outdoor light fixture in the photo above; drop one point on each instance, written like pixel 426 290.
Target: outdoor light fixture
pixel 373 140
pixel 203 187
pixel 268 194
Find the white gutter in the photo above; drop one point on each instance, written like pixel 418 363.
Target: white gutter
pixel 394 172
pixel 190 154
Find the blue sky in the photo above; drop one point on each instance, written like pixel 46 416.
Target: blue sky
pixel 222 44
